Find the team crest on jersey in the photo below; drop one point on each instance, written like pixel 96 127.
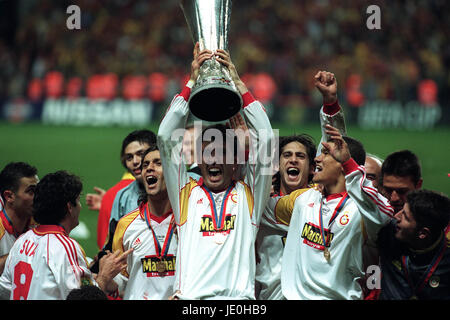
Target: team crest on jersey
pixel 207 225
pixel 233 196
pixel 344 219
pixel 156 267
pixel 312 236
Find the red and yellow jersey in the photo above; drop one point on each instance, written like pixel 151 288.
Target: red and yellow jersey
pixel 216 256
pixel 149 275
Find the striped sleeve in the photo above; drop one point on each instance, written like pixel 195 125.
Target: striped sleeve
pixel 67 262
pixel 374 207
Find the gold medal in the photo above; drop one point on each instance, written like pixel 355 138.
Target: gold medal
pixel 160 266
pixel 327 254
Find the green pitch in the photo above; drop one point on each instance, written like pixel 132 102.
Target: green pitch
pixel 93 154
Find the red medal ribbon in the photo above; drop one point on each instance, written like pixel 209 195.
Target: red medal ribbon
pixel 160 253
pixel 336 212
pixel 221 218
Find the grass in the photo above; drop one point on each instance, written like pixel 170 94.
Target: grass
pixel 93 154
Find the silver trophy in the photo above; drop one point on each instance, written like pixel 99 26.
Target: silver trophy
pixel 214 96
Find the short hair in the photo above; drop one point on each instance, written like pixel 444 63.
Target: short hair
pixel 356 148
pixel 12 173
pixel 402 163
pixel 141 136
pixel 87 292
pixel 225 132
pixel 306 140
pixel 52 194
pixel 430 209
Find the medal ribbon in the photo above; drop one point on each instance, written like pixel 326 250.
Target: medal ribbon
pixel 221 218
pixel 160 253
pixel 431 268
pixel 336 212
pixel 10 222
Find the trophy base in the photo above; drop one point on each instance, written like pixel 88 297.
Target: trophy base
pixel 215 103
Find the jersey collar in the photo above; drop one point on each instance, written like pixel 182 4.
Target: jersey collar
pixel 336 195
pixel 42 230
pixel 152 216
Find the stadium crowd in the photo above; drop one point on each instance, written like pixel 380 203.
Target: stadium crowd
pixel 285 43
pixel 324 220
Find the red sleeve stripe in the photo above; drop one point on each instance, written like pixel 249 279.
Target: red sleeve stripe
pixel 373 195
pixel 70 254
pixel 72 243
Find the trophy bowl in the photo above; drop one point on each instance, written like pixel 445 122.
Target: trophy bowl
pixel 214 96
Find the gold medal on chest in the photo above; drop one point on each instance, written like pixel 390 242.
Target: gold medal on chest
pixel 160 266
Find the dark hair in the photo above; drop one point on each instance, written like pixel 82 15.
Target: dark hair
pixel 402 163
pixel 12 173
pixel 225 133
pixel 356 148
pixel 87 292
pixel 430 209
pixel 142 193
pixel 307 141
pixel 52 194
pixel 141 136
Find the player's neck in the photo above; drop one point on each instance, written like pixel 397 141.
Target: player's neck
pixel 336 187
pixel 18 222
pixel 287 190
pixel 159 206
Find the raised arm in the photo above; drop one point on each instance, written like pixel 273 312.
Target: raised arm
pixel 374 208
pixel 170 136
pixel 331 112
pixel 258 173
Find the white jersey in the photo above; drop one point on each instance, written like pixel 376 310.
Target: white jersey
pixel 306 274
pixel 272 234
pixel 216 259
pixel 270 243
pixel 44 264
pixel 143 278
pixel 7 234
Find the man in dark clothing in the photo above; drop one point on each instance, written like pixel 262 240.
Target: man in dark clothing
pixel 414 253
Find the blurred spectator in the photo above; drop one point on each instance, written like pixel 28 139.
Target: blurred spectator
pixel 288 41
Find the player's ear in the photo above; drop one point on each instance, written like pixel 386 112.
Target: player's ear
pixel 419 184
pixel 8 195
pixel 69 207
